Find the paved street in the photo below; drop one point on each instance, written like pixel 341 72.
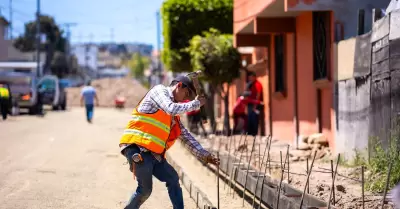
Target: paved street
pixel 60 161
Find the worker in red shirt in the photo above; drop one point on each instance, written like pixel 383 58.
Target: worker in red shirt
pixel 239 113
pixel 255 89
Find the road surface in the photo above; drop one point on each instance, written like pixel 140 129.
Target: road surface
pixel 60 161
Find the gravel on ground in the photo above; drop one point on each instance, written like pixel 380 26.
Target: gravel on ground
pixel 60 161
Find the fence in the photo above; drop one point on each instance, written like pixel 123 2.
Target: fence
pixel 368 103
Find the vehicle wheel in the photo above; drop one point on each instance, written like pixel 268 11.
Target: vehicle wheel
pixel 33 110
pixel 55 107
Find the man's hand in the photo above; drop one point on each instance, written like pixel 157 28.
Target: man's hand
pixel 212 159
pixel 202 99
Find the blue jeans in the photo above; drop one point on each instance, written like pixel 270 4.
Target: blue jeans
pixel 252 122
pixel 89 111
pixel 145 170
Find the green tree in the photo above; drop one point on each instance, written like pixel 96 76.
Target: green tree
pixel 138 64
pixel 183 19
pixel 214 54
pixel 59 64
pixel 55 42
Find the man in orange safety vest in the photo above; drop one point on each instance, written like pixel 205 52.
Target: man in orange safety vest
pixel 153 128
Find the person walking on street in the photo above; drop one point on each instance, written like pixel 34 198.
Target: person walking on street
pixel 88 95
pixel 4 101
pixel 154 127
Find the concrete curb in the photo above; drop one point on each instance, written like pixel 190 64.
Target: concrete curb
pixel 196 194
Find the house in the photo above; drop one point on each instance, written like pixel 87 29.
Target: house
pixel 293 54
pixel 87 55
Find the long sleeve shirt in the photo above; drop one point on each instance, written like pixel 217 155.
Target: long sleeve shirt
pixel 161 97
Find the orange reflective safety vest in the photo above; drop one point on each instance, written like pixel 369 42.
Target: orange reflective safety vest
pixel 152 131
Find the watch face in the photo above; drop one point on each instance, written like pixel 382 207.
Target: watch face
pixel 136 158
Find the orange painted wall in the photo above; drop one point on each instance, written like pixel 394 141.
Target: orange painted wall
pixel 245 11
pixel 282 108
pixel 307 110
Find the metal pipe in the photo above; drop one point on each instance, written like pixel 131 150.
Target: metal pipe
pixel 248 167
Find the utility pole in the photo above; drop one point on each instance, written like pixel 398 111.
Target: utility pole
pixel 68 44
pixel 159 66
pixel 11 20
pixel 38 38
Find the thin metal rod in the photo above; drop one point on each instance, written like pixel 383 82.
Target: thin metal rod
pixel 240 161
pixel 248 167
pixel 308 179
pixel 259 153
pixel 265 172
pixel 333 182
pixel 333 185
pixel 233 167
pixel 258 176
pixel 280 183
pixel 387 184
pixel 308 168
pixel 362 186
pixel 218 182
pixel 288 164
pixel 229 154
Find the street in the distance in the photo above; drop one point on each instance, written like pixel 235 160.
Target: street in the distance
pixel 61 161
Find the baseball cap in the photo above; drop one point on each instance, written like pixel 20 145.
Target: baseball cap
pixel 188 83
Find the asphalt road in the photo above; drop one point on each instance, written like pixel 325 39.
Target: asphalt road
pixel 60 161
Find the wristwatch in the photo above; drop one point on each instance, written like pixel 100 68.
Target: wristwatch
pixel 137 158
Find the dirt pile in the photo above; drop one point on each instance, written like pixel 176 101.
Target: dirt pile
pixel 315 143
pixel 108 89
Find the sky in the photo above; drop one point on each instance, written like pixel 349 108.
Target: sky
pixel 96 20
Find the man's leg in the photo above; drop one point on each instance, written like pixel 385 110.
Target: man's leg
pixel 144 177
pixel 164 172
pixel 252 123
pixel 3 108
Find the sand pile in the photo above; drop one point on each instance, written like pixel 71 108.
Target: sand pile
pixel 108 89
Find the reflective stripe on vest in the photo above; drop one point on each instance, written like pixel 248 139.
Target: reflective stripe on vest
pixel 150 131
pixel 4 93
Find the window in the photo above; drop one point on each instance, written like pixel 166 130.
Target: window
pixel 279 41
pixel 321 44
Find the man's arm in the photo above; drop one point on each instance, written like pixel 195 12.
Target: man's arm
pixel 192 144
pixel 160 96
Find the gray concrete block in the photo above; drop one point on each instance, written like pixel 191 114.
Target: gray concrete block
pixel 270 186
pixel 196 194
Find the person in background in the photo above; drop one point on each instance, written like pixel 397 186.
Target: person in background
pixel 254 88
pixel 88 95
pixel 239 113
pixel 194 119
pixel 5 100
